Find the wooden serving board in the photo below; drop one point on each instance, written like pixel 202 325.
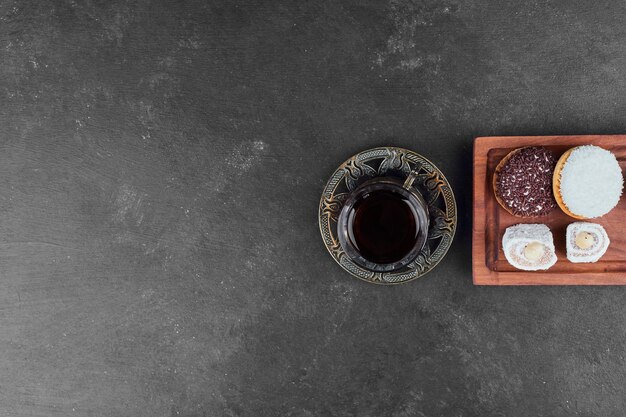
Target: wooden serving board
pixel 489 265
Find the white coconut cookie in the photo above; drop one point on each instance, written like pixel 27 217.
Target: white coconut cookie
pixel 588 182
pixel 586 242
pixel 529 247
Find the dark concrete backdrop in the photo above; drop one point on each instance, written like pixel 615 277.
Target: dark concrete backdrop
pixel 160 170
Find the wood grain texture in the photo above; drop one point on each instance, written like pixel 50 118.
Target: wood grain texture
pixel 490 220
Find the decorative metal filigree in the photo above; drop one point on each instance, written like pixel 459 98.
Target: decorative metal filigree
pixel 332 206
pixel 355 170
pixel 396 162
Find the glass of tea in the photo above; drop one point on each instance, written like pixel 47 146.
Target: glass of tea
pixel 383 224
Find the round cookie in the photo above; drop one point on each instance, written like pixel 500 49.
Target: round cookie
pixel 522 182
pixel 587 182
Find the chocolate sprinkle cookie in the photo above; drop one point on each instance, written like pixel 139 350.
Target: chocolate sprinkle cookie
pixel 523 182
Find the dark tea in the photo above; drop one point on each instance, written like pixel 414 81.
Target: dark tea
pixel 382 226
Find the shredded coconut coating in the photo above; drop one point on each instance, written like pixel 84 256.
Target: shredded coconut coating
pixel 600 244
pixel 517 237
pixel 591 181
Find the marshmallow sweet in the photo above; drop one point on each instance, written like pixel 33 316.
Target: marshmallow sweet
pixel 529 247
pixel 586 242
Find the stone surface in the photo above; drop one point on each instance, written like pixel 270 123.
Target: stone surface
pixel 161 166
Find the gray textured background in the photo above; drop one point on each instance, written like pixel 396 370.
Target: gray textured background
pixel 160 171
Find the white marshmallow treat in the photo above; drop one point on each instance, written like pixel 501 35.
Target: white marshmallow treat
pixel 517 238
pixel 598 244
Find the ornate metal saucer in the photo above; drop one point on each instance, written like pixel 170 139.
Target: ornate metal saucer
pixel 396 162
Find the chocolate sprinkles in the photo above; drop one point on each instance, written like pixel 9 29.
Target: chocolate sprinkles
pixel 524 183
